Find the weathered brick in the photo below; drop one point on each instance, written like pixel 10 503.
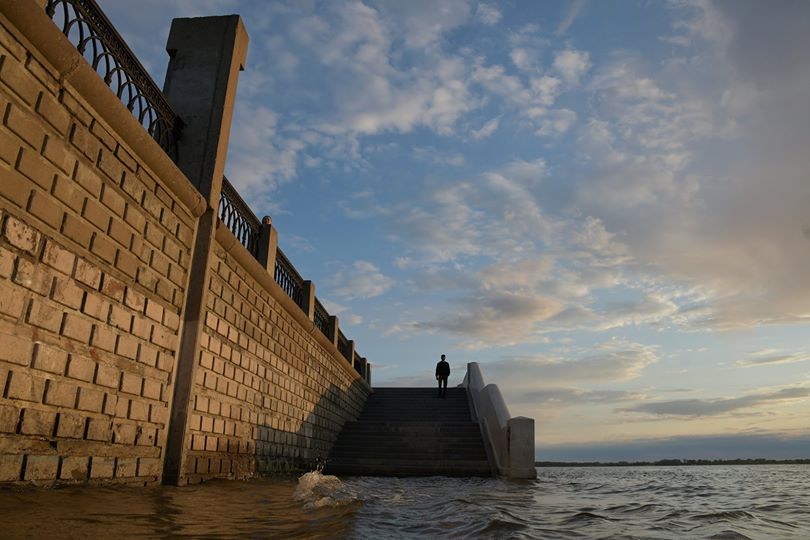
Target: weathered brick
pixel 70 425
pixel 113 200
pixel 111 406
pixel 148 355
pixel 25 126
pixel 77 328
pixel 61 394
pixel 44 316
pixel 66 192
pixel 75 108
pixel 20 81
pixel 88 179
pixel 59 154
pixel 151 388
pixel 49 358
pixel 9 147
pixel 127 263
pixel 127 346
pixel 41 467
pixel 58 257
pixel 124 433
pixel 97 307
pixel 47 76
pixel 121 233
pixel 10 467
pixel 142 327
pixel 138 410
pixel 99 429
pixel 53 113
pixel 121 409
pixel 147 436
pixel 126 467
pixel 96 214
pixel 108 376
pixel 131 383
pixel 111 166
pixel 21 235
pixel 67 293
pixel 9 417
pixel 158 414
pixel 148 466
pixel 103 247
pixel 44 208
pixel 103 338
pixel 15 349
pixel 120 318
pixel 77 230
pixel 74 468
pixel 135 300
pixel 36 422
pixel 88 274
pixel 103 135
pixel 33 277
pixel 90 399
pixel 81 368
pixel 36 169
pixel 163 337
pixel 15 188
pixel 102 467
pixel 154 311
pixel 12 300
pixel 85 142
pixel 113 288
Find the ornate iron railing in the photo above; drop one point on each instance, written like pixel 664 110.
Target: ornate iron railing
pixel 289 279
pixel 344 347
pixel 94 36
pixel 322 319
pixel 239 218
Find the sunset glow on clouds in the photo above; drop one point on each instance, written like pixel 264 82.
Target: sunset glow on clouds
pixel 606 204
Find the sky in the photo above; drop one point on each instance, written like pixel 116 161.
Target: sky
pixel 605 204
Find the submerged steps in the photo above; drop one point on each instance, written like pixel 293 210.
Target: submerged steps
pixel 411 432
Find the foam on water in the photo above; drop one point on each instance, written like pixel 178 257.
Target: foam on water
pixel 317 490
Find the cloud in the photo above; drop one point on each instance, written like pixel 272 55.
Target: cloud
pixel 486 130
pixel 718 406
pixel 363 280
pixel 488 14
pixel 771 359
pixel 568 397
pixel 573 8
pixel 572 65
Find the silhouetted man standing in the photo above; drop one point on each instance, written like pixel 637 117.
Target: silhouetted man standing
pixel 442 372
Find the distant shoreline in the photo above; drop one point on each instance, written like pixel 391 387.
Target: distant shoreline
pixel 673 462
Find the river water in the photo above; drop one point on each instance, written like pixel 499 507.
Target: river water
pixel 718 502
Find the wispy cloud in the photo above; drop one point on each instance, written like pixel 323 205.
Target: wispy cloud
pixel 714 407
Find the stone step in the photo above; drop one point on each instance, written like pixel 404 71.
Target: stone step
pixel 364 467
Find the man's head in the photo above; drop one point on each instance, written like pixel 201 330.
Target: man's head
pixel 442 357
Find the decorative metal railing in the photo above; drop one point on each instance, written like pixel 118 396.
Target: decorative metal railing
pixel 94 36
pixel 239 218
pixel 321 318
pixel 289 279
pixel 343 346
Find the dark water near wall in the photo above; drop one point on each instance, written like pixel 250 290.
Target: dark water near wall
pixel 758 502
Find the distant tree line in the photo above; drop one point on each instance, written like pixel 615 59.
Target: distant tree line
pixel 673 462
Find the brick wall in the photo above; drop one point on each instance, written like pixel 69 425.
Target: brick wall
pixel 94 260
pixel 269 396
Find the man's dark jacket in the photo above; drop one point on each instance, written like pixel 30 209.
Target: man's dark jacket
pixel 443 369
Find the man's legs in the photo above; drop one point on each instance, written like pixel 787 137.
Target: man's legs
pixel 443 386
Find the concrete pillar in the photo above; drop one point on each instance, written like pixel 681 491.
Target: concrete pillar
pixel 308 300
pixel 268 244
pixel 351 351
pixel 368 373
pixel 334 323
pixel 520 433
pixel 207 54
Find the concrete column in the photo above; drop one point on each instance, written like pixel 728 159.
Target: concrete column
pixel 268 244
pixel 309 299
pixel 335 324
pixel 352 352
pixel 520 431
pixel 207 54
pixel 368 373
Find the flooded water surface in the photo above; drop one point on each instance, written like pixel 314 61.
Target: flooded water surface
pixel 757 502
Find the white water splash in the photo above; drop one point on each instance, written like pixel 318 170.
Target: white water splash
pixel 317 490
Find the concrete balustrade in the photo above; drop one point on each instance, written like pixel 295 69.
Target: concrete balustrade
pixel 509 441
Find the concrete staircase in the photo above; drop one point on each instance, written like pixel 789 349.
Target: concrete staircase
pixel 411 432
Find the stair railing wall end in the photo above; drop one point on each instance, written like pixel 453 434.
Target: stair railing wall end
pixel 510 441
